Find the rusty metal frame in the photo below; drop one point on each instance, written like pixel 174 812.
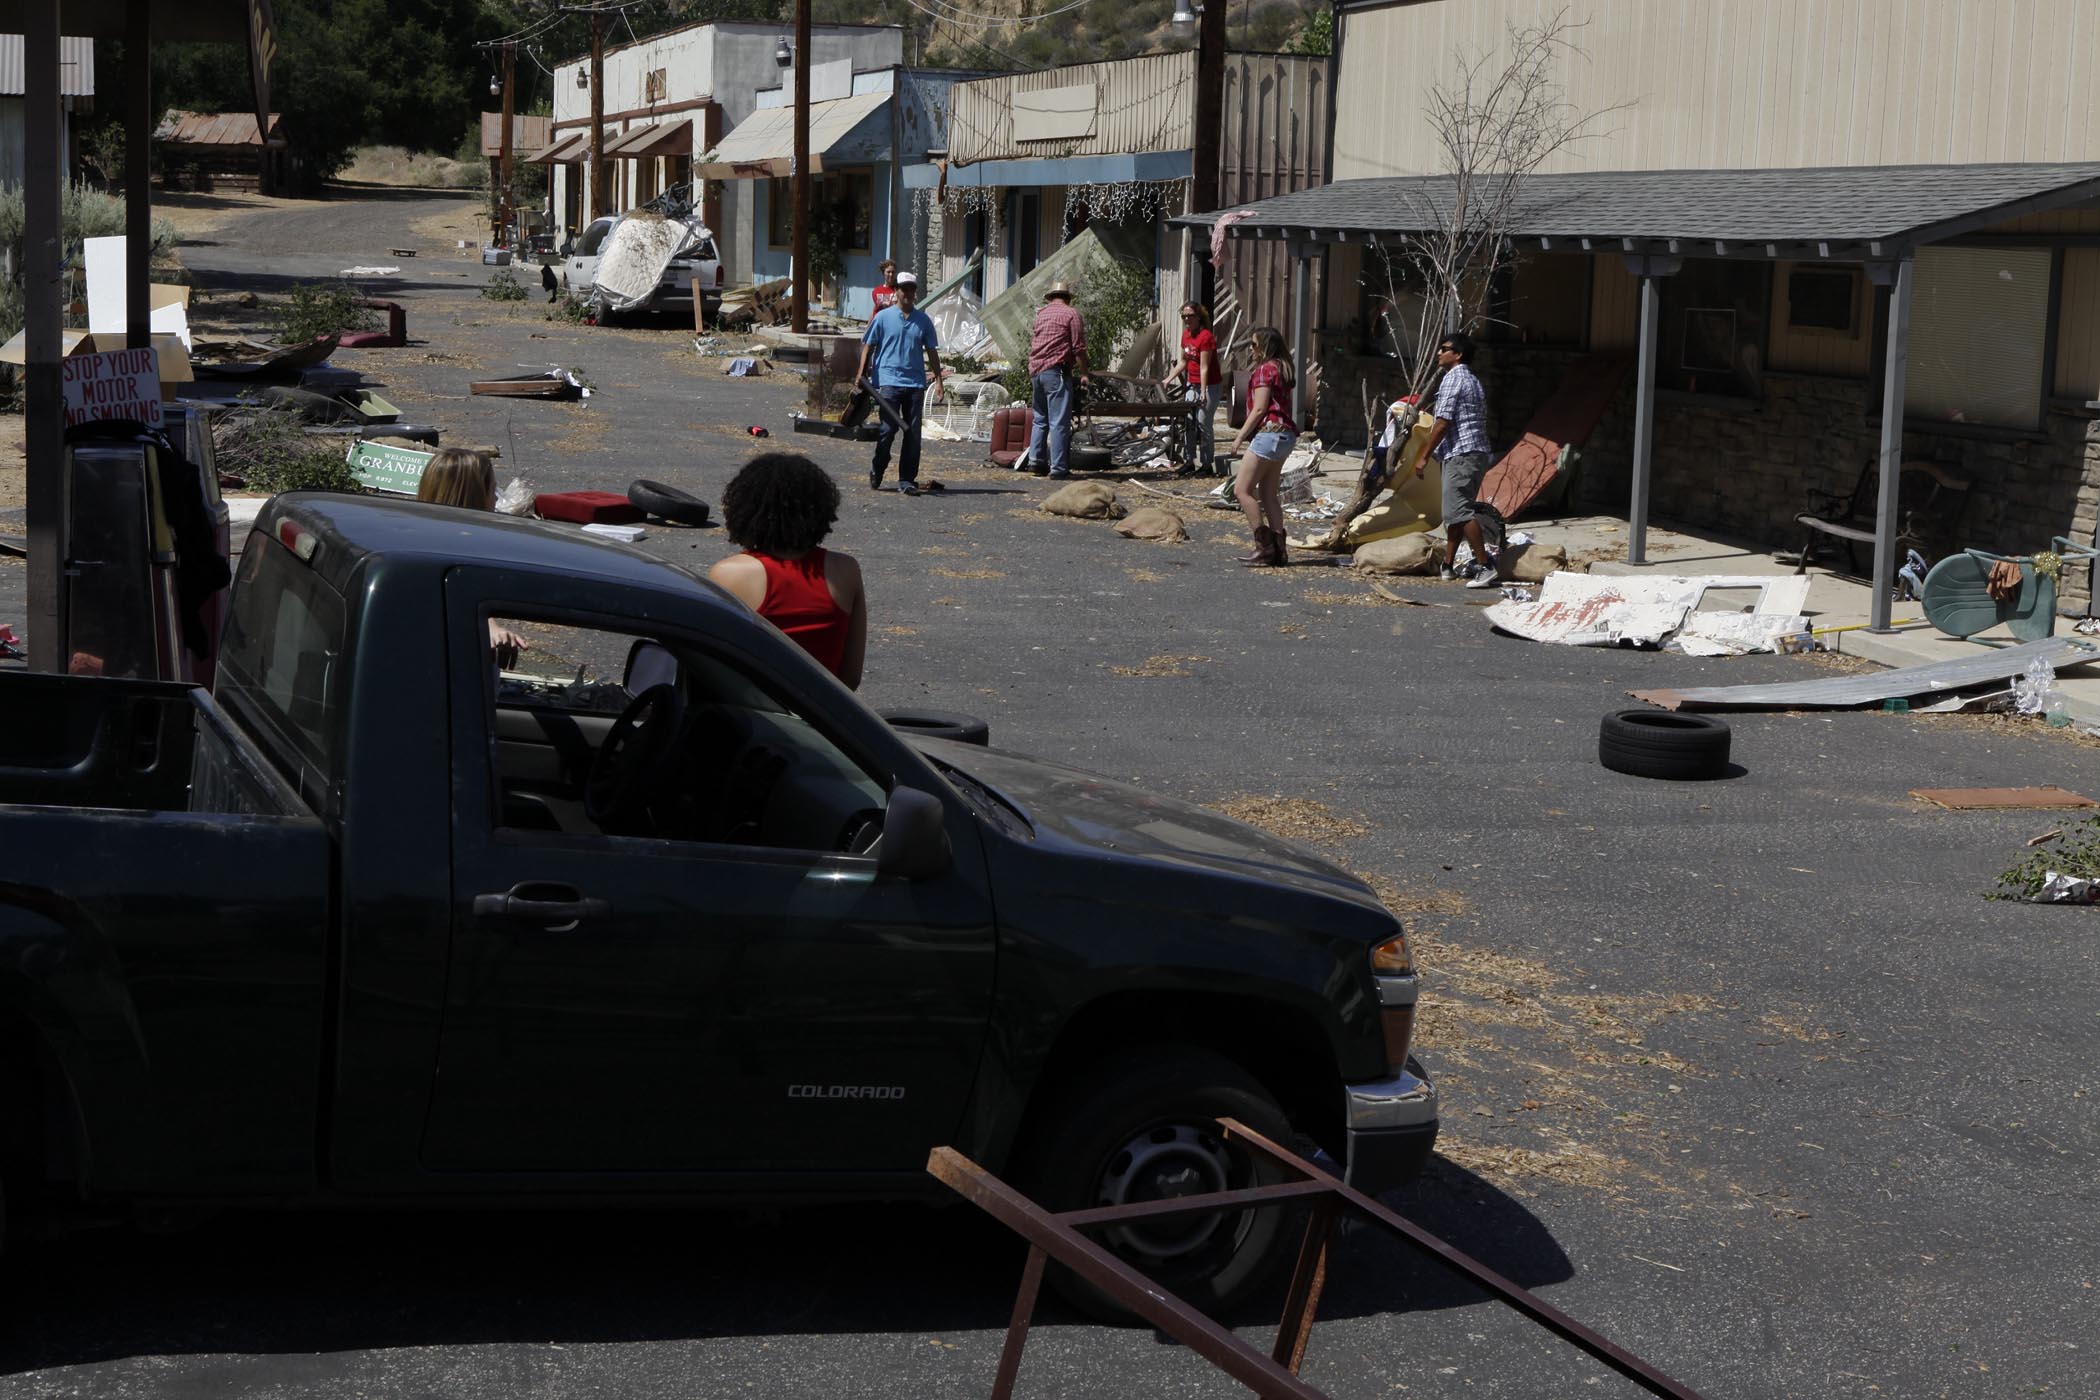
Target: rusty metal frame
pixel 1058 1235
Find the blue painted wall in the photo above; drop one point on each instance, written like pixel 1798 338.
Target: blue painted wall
pixel 861 275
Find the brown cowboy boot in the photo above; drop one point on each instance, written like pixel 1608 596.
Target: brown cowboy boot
pixel 1279 557
pixel 1260 556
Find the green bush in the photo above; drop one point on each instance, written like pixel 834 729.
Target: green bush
pixel 84 212
pixel 270 449
pixel 315 309
pixel 1115 302
pixel 572 309
pixel 1019 387
pixel 504 286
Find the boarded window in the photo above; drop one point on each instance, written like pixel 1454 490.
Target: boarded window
pixel 1822 299
pixel 1978 335
pixel 656 84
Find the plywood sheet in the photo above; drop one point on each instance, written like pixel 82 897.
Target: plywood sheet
pixel 2002 799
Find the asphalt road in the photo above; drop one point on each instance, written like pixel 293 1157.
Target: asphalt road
pixel 1747 1074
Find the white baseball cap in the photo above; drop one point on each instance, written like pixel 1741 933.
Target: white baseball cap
pixel 907 279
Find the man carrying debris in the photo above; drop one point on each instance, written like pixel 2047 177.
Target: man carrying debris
pixel 1458 440
pixel 1056 367
pixel 901 341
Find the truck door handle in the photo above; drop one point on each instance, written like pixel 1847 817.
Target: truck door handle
pixel 557 906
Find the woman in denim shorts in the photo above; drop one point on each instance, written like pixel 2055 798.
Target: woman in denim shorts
pixel 1267 437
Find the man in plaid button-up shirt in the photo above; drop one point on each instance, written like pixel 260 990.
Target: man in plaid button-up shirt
pixel 1458 440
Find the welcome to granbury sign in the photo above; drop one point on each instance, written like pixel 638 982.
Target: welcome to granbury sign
pixel 394 469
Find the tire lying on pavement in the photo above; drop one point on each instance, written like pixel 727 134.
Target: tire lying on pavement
pixel 667 503
pixel 1663 744
pixel 1087 458
pixel 940 724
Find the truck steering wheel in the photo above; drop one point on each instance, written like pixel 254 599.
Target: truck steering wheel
pixel 633 762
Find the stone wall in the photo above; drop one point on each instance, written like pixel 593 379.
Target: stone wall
pixel 1746 470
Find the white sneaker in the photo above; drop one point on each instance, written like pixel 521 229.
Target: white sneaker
pixel 1483 577
pixel 1445 573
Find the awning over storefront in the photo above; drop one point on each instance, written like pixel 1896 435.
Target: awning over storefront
pixel 1844 213
pixel 845 131
pixel 1069 170
pixel 567 150
pixel 672 138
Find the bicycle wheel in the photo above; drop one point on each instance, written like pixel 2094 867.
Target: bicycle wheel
pixel 1132 454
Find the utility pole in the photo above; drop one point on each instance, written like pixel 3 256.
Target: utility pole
pixel 510 74
pixel 598 199
pixel 799 323
pixel 1210 129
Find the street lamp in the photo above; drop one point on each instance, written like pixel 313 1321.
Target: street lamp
pixel 583 78
pixel 783 54
pixel 1184 18
pixel 495 86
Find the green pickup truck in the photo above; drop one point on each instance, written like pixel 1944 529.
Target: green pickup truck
pixel 658 912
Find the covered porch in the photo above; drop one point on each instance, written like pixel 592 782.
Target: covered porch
pixel 1956 297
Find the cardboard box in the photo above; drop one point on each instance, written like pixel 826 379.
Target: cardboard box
pixel 174 360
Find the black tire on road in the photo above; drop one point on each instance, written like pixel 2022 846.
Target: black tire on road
pixel 1141 1124
pixel 668 503
pixel 1091 459
pixel 1664 744
pixel 940 724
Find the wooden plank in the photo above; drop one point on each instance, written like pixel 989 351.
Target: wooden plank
pixel 2002 799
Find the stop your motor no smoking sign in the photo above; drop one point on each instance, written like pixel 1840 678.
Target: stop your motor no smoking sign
pixel 113 384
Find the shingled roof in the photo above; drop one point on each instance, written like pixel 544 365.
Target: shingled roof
pixel 1870 210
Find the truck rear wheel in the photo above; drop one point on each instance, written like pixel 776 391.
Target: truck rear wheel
pixel 1143 1125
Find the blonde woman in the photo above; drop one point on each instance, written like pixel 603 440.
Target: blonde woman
pixel 462 477
pixel 1265 439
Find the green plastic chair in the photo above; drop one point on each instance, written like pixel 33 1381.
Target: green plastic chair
pixel 1958 599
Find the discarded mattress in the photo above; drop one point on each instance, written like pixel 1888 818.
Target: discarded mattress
pixel 636 252
pixel 1853 692
pixel 1564 421
pixel 1594 610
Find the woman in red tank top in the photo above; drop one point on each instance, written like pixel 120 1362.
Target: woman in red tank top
pixel 779 508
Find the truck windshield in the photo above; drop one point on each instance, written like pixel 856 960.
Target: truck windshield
pixel 279 666
pixel 587 246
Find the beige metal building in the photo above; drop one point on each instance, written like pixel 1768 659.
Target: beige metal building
pixel 1767 351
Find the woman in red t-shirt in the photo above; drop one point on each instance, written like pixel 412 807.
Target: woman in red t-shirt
pixel 779 508
pixel 1200 380
pixel 886 292
pixel 1268 435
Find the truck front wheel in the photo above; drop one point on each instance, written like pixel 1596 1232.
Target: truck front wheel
pixel 1142 1125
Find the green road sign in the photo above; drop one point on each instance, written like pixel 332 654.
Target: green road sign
pixel 395 469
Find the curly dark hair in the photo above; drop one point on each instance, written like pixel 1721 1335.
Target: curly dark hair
pixel 780 503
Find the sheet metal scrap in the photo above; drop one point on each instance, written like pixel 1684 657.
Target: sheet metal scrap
pixel 1853 692
pixel 2002 799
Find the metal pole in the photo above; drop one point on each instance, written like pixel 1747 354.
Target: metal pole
pixel 1301 329
pixel 138 174
pixel 1209 144
pixel 510 75
pixel 598 200
pixel 1643 422
pixel 800 175
pixel 43 267
pixel 1891 447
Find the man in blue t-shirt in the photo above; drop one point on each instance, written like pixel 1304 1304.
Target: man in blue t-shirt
pixel 901 343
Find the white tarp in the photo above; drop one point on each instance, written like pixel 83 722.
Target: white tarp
pixel 958 320
pixel 632 261
pixel 1594 610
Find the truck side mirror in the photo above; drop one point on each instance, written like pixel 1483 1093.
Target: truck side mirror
pixel 914 836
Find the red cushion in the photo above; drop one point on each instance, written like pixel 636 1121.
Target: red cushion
pixel 587 507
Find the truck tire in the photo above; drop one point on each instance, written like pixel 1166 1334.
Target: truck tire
pixel 1663 744
pixel 1087 458
pixel 940 724
pixel 667 503
pixel 1141 1125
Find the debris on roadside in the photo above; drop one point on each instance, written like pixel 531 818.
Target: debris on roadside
pixel 626 534
pixel 668 503
pixel 2065 870
pixel 587 508
pixel 1596 610
pixel 1153 523
pixel 563 384
pixel 516 498
pixel 2005 799
pixel 1871 688
pixel 745 367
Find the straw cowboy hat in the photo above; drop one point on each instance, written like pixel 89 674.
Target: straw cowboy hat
pixel 1058 289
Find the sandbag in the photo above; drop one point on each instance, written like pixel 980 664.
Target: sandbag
pixel 1084 500
pixel 1153 523
pixel 1412 553
pixel 1533 562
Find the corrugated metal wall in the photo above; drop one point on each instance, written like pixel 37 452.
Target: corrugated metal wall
pixel 1146 104
pixel 1748 84
pixel 1275 143
pixel 76 67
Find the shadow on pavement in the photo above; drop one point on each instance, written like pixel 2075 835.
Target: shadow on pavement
pixel 263 1283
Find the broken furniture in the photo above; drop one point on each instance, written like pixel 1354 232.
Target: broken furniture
pixel 1849 520
pixel 395 334
pixel 766 304
pixel 586 508
pixel 1539 461
pixel 1958 598
pixel 1061 1236
pixel 1011 428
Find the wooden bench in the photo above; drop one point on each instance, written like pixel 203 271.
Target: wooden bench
pixel 1849 519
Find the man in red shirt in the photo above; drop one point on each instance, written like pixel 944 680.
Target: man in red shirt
pixel 1057 367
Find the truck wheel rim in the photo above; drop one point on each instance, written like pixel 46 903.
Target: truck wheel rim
pixel 1160 1164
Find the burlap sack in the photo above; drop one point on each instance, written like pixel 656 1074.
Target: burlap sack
pixel 1534 562
pixel 1153 523
pixel 1084 500
pixel 1411 553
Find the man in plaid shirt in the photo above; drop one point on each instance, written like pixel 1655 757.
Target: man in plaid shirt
pixel 1458 440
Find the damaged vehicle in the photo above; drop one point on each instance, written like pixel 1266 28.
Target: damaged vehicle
pixel 652 266
pixel 657 910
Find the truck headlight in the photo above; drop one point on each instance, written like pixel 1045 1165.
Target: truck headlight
pixel 1393 958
